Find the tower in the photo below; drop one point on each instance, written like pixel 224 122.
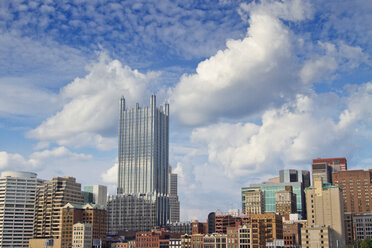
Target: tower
pixel 143 154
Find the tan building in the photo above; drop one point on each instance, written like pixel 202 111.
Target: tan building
pixel 324 208
pixel 186 241
pixel 266 228
pixel 245 236
pixel 197 241
pixel 82 235
pixel 215 240
pixel 285 201
pixel 316 237
pixel 40 243
pixel 254 202
pixel 356 188
pixel 51 196
pixel 93 214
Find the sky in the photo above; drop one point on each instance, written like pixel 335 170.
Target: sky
pixel 253 87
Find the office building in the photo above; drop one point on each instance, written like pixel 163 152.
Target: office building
pixel 99 193
pixel 356 188
pixel 254 202
pixel 223 221
pixel 131 213
pixel 17 207
pixel 93 214
pixel 51 196
pixel 316 237
pixel 143 155
pixel 290 176
pixel 82 235
pixel 363 226
pixel 266 228
pixel 174 204
pixel 323 170
pixel 337 164
pixel 324 207
pixel 285 201
pixel 211 222
pixel 269 190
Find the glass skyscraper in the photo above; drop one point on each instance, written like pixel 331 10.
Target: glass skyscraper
pixel 143 154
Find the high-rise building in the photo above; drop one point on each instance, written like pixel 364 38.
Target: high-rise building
pixel 17 207
pixel 290 175
pixel 254 202
pixel 323 170
pixel 285 201
pixel 324 208
pixel 99 193
pixel 174 204
pixel 93 214
pixel 143 154
pixel 337 164
pixel 51 196
pixel 356 188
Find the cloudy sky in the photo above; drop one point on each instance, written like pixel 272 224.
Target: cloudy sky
pixel 253 86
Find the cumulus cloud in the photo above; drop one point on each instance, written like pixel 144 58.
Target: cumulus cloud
pixel 90 115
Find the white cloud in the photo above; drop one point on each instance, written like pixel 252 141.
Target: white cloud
pixel 111 175
pixel 90 114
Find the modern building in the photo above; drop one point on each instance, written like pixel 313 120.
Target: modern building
pixel 363 226
pixel 356 188
pixel 266 228
pixel 143 155
pixel 317 237
pixel 269 190
pixel 131 213
pixel 324 208
pixel 211 222
pixel 99 193
pixel 51 196
pixel 254 201
pixel 337 164
pixel 82 235
pixel 92 214
pixel 323 170
pixel 174 203
pixel 17 207
pixel 291 175
pixel 285 201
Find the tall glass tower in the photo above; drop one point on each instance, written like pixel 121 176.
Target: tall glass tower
pixel 143 154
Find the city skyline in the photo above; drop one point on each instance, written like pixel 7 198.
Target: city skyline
pixel 254 87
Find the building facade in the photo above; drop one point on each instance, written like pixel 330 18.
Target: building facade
pixel 266 228
pixel 17 207
pixel 143 154
pixel 51 196
pixel 290 176
pixel 174 203
pixel 99 193
pixel 363 226
pixel 323 170
pixel 285 201
pixel 82 235
pixel 254 202
pixel 131 213
pixel 316 237
pixel 356 188
pixel 324 208
pixel 337 164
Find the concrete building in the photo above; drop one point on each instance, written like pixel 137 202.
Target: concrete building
pixel 51 196
pixel 144 156
pixel 41 243
pixel 82 235
pixel 99 193
pixel 324 207
pixel 363 226
pixel 269 190
pixel 356 188
pixel 285 201
pixel 323 170
pixel 93 214
pixel 174 203
pixel 131 212
pixel 245 236
pixel 291 175
pixel 337 164
pixel 254 201
pixel 17 207
pixel 266 228
pixel 316 237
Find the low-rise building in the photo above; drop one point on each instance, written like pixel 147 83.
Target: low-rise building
pixel 363 226
pixel 316 237
pixel 82 235
pixel 245 236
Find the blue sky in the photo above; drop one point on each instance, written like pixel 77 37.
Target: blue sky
pixel 253 87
